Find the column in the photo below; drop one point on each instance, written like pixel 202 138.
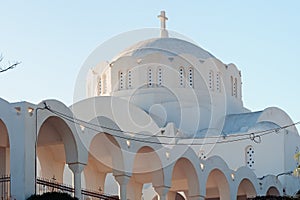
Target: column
pixel 162 192
pixel 123 181
pixel 77 169
pixel 22 152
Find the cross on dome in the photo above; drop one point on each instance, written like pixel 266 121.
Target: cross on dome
pixel 163 18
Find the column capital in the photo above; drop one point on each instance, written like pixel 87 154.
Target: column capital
pixel 122 179
pixel 162 190
pixel 76 167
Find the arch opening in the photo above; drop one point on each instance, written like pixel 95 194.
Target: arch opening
pixel 217 186
pixel 246 189
pixel 185 180
pixel 104 157
pixel 146 173
pixel 273 191
pixel 4 161
pixel 55 137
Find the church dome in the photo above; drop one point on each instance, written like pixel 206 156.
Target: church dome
pixel 164 46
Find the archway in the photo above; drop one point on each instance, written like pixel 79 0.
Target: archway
pixel 246 189
pixel 56 147
pixel 105 156
pixel 4 162
pixel 184 179
pixel 273 191
pixel 147 169
pixel 217 186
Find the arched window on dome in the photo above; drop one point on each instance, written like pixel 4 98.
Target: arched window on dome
pixel 218 81
pixel 232 87
pixel 99 86
pixel 159 76
pixel 235 87
pixel 104 84
pixel 191 77
pixel 121 80
pixel 249 156
pixel 211 80
pixel 150 77
pixel 181 77
pixel 129 79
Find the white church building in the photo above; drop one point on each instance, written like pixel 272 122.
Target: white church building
pixel 164 119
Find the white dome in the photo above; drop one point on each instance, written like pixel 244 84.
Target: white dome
pixel 166 46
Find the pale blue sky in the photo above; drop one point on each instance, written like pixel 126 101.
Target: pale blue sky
pixel 52 39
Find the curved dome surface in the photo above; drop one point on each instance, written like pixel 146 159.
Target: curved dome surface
pixel 165 46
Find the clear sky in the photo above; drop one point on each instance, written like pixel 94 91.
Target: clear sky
pixel 52 39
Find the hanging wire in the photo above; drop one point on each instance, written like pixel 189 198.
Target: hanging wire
pixel 253 136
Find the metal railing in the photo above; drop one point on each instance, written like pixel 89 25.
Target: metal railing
pixel 5 187
pixel 46 185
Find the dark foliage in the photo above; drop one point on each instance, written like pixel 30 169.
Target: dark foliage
pixel 273 198
pixel 52 196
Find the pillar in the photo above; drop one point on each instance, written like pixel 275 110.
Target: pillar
pixel 22 132
pixel 162 192
pixel 77 169
pixel 123 181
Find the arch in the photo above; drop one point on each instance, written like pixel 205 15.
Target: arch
pixel 185 170
pixel 216 168
pixel 105 154
pixel 270 185
pixel 123 114
pixel 147 168
pixel 246 189
pixel 54 137
pixel 217 185
pixel 273 191
pixel 104 147
pixel 4 159
pixel 277 116
pixel 67 130
pixel 246 183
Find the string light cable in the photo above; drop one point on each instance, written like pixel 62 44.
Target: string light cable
pixel 253 136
